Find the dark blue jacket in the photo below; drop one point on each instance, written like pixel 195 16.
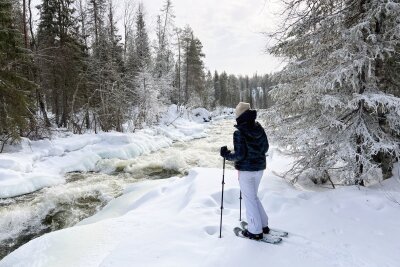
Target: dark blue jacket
pixel 250 143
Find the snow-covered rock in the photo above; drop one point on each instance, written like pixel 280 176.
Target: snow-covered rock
pixel 201 115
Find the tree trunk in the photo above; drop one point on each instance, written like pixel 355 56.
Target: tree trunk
pixel 385 158
pixel 359 138
pixel 33 41
pixel 179 68
pixel 64 116
pixel 42 108
pixel 96 35
pixel 24 22
pixel 187 73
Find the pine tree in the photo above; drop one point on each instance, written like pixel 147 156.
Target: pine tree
pixel 177 83
pixel 165 25
pixel 193 67
pixel 209 92
pixel 164 61
pixel 60 54
pixel 233 91
pixel 266 85
pixel 97 9
pixel 223 83
pixel 217 90
pixel 148 93
pixel 111 93
pixel 334 103
pixel 142 43
pixel 15 101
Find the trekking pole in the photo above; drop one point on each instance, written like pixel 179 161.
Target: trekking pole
pixel 222 197
pixel 240 205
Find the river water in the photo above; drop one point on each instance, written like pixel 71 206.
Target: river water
pixel 29 216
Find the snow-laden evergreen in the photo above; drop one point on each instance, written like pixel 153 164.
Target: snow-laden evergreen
pixel 337 103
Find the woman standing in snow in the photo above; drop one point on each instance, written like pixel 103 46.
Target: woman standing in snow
pixel 250 145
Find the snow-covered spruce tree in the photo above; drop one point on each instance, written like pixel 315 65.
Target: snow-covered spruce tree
pixel 337 104
pixel 149 107
pixel 145 85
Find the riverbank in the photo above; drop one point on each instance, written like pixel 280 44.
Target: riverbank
pixel 82 194
pixel 32 165
pixel 175 222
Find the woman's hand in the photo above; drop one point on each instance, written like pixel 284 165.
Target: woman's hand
pixel 224 151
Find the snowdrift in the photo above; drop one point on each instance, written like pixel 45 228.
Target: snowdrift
pixel 175 222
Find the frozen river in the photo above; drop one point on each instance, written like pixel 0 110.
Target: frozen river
pixel 28 216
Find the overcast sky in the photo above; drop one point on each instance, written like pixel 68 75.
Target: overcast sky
pixel 230 31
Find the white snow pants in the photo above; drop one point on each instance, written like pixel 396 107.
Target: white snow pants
pixel 255 213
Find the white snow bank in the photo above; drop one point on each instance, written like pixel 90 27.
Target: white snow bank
pixel 39 164
pixel 221 113
pixel 177 113
pixel 175 222
pixel 200 115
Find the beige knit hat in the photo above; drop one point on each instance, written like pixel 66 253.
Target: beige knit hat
pixel 241 108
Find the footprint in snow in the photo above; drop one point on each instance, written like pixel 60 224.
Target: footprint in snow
pixel 211 230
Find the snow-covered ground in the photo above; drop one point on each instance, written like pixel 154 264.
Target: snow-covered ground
pixel 37 164
pixel 79 195
pixel 175 222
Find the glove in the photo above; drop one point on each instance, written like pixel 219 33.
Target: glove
pixel 224 151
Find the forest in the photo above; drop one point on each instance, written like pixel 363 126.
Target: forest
pixel 72 68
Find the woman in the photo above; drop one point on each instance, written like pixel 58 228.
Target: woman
pixel 250 145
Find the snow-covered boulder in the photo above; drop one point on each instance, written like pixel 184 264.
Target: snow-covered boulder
pixel 201 115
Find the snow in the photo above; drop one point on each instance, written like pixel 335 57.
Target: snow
pixel 175 222
pixel 33 165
